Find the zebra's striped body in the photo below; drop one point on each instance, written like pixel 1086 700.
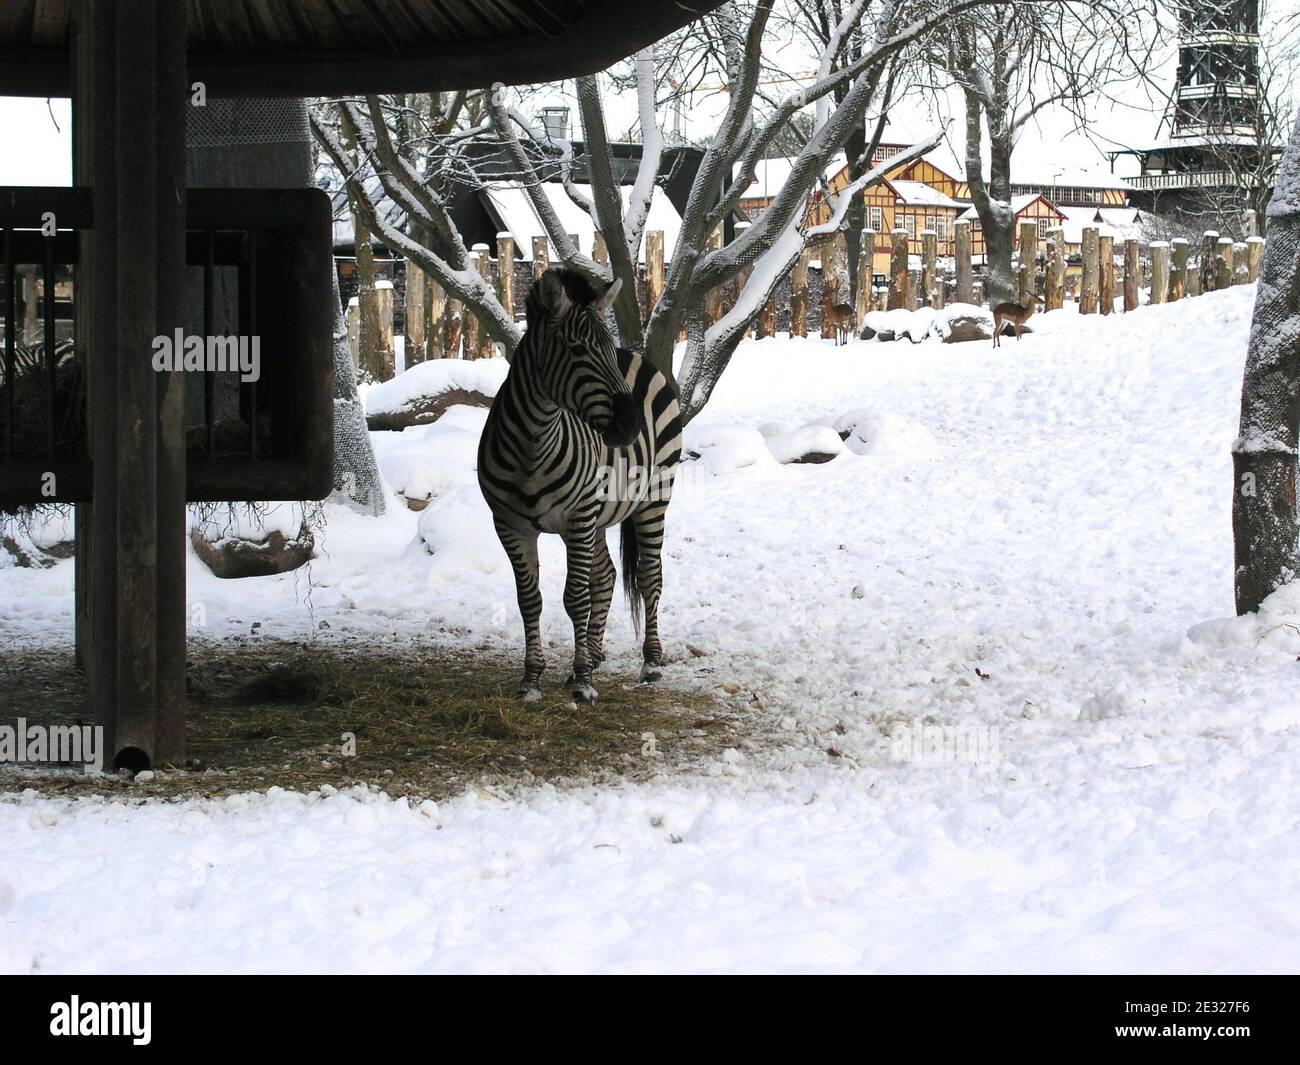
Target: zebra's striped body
pixel 572 425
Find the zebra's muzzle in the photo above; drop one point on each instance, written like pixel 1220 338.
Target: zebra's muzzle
pixel 626 422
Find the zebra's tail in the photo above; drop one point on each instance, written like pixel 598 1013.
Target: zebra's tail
pixel 630 552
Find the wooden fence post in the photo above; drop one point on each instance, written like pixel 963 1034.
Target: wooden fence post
pixel 486 346
pixel 599 250
pixel 1178 249
pixel 654 269
pixel 470 324
pixel 866 273
pixel 1223 263
pixel 1132 269
pixel 455 328
pixel 1254 258
pixel 506 272
pixel 1054 286
pixel 1239 262
pixel 435 320
pixel 743 276
pixel 1088 283
pixel 900 294
pixel 961 241
pixel 1028 242
pixel 413 312
pixel 931 286
pixel 541 257
pixel 1209 261
pixel 383 297
pixel 1159 271
pixel 1106 273
pixel 799 295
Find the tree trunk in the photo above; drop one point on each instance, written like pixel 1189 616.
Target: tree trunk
pixel 1264 522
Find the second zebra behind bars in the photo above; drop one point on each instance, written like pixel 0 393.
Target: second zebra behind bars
pixel 574 411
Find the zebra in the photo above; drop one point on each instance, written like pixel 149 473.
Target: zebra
pixel 573 410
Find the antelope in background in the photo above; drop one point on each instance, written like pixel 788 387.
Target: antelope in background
pixel 1013 313
pixel 841 316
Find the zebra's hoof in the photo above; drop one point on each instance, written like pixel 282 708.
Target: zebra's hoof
pixel 584 694
pixel 651 672
pixel 529 694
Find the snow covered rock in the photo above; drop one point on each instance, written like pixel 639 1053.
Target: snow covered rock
pixel 427 460
pixel 959 322
pixel 885 434
pixel 723 448
pixel 812 443
pixel 422 394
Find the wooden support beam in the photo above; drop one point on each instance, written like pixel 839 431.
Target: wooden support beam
pixel 654 270
pixel 1254 258
pixel 1027 242
pixel 129 146
pixel 866 271
pixel 413 313
pixel 931 284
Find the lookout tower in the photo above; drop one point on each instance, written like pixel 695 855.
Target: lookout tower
pixel 1213 155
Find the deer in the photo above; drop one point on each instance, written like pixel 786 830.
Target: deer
pixel 841 316
pixel 1013 313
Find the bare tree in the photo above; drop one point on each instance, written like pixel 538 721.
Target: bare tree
pixel 1010 63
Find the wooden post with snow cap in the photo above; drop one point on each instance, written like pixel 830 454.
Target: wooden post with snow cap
pixel 1178 249
pixel 485 348
pixel 799 295
pixel 961 241
pixel 1239 263
pixel 1223 263
pixel 900 294
pixel 471 325
pixel 866 273
pixel 506 272
pixel 1209 261
pixel 1132 274
pixel 1088 283
pixel 1159 271
pixel 881 301
pixel 1252 223
pixel 599 249
pixel 1254 258
pixel 1106 273
pixel 1054 282
pixel 382 294
pixel 931 285
pixel 541 257
pixel 1028 241
pixel 654 269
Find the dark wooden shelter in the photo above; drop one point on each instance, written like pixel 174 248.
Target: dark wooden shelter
pixel 130 226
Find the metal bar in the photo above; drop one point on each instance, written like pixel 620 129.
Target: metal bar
pixel 10 326
pixel 51 363
pixel 209 379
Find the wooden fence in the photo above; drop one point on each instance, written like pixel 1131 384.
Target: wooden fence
pixel 1104 275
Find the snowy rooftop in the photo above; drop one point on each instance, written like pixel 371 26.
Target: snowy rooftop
pixel 919 194
pixel 521 221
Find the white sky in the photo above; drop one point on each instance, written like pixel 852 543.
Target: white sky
pixel 39 133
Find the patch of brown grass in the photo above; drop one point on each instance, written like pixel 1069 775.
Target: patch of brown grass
pixel 425 722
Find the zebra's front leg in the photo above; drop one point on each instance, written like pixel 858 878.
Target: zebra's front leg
pixel 521 548
pixel 603 578
pixel 650 576
pixel 580 545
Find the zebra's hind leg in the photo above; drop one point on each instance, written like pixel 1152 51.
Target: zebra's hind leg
pixel 579 542
pixel 521 547
pixel 649 524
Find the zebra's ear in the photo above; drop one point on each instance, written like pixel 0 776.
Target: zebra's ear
pixel 611 294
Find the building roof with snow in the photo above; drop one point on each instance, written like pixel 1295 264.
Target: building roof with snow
pixel 919 194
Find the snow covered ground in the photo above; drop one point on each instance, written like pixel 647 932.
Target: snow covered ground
pixel 1029 547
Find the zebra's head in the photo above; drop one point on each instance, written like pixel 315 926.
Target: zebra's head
pixel 572 354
